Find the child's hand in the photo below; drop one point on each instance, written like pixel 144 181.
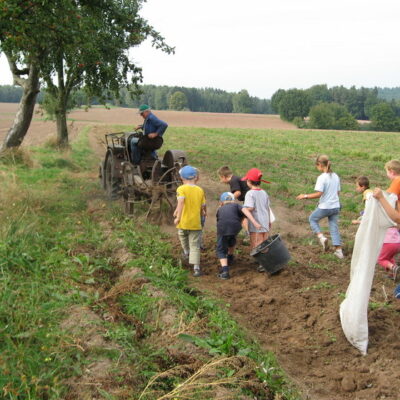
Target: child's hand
pixel 377 193
pixel 301 197
pixel 176 220
pixel 356 222
pixel 257 226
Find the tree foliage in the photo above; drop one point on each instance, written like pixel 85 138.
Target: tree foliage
pixel 241 102
pixel 294 103
pixel 77 43
pixel 383 118
pixel 178 101
pixel 331 116
pixel 207 99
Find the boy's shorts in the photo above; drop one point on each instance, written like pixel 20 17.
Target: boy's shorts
pixel 223 243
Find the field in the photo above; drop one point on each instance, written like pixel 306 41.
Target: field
pixel 294 314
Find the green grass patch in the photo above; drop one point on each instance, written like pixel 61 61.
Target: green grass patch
pixel 54 254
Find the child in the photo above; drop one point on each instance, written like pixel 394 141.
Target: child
pixel 394 214
pixel 391 243
pixel 257 203
pixel 238 187
pixel 362 186
pixel 191 205
pixel 327 190
pixel 202 220
pixel 229 220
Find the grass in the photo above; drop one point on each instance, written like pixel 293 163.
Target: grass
pixel 287 157
pixel 54 254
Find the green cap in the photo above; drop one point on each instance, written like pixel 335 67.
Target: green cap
pixel 143 108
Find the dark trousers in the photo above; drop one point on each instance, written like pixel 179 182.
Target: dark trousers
pixel 144 143
pixel 223 244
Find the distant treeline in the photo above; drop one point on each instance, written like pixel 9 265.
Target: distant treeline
pixel 168 98
pixel 389 94
pixel 338 107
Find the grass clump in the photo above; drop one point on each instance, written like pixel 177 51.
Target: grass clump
pixel 16 157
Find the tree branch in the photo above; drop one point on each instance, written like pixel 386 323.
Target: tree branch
pixel 15 71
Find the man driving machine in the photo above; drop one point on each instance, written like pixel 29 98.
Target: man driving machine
pixel 153 130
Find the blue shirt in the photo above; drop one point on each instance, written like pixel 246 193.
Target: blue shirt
pixel 229 219
pixel 154 125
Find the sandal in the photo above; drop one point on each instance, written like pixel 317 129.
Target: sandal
pixel 395 272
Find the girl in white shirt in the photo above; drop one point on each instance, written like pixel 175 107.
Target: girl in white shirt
pixel 327 191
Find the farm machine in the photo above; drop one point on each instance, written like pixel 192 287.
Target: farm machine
pixel 153 182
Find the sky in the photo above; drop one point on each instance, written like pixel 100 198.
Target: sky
pixel 266 45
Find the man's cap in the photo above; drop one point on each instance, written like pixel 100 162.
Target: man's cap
pixel 227 196
pixel 188 172
pixel 254 175
pixel 143 108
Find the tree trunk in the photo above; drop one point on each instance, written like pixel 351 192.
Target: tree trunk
pixel 61 106
pixel 23 118
pixel 62 129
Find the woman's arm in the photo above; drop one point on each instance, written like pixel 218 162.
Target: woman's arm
pixel 391 212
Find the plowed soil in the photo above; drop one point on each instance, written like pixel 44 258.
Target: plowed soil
pixel 294 314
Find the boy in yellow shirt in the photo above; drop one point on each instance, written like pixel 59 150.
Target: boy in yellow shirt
pixel 191 206
pixel 362 186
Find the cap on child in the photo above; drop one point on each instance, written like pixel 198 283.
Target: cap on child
pixel 254 175
pixel 227 196
pixel 188 172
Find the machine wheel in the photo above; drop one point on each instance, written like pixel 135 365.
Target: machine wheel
pixel 102 176
pixel 111 182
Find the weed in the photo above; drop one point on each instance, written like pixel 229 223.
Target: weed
pixel 318 286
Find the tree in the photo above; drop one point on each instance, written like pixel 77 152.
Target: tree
pixel 178 101
pixel 294 103
pixel 241 102
pixel 23 44
pixel 319 94
pixel 95 55
pixel 276 99
pixel 331 116
pixel 79 43
pixel 383 118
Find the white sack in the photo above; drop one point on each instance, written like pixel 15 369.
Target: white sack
pixel 368 243
pixel 271 216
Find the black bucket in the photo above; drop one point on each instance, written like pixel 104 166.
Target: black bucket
pixel 272 254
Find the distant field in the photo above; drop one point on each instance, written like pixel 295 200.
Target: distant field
pixel 41 130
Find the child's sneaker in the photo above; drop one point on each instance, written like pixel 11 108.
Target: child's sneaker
pixel 339 253
pixel 224 275
pixel 394 272
pixel 260 268
pixel 197 272
pixel 324 242
pixel 231 259
pixel 397 292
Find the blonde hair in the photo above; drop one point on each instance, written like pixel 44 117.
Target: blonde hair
pixel 393 165
pixel 225 171
pixel 323 160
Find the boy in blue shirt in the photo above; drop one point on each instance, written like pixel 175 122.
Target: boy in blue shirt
pixel 229 224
